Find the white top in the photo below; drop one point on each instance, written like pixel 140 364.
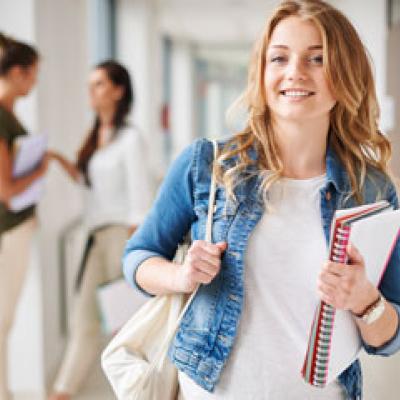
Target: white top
pixel 120 189
pixel 284 255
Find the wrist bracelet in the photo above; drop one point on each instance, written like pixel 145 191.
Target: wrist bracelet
pixel 373 312
pixel 368 308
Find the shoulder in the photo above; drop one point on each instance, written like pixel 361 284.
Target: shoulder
pixel 132 141
pixel 201 154
pixel 194 161
pixel 129 133
pixel 378 184
pixel 10 128
pixel 203 149
pixel 4 115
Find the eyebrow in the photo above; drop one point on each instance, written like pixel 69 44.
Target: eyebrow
pixel 281 46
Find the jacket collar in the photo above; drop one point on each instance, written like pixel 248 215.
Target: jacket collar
pixel 335 171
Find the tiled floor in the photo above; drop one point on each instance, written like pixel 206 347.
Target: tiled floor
pixel 96 388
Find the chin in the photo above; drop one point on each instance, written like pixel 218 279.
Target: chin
pixel 24 92
pixel 300 114
pixel 294 116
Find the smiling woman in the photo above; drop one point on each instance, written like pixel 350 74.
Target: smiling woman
pixel 296 87
pixel 311 146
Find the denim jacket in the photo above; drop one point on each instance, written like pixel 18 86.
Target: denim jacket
pixel 207 332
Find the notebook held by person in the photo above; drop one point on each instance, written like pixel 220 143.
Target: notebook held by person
pixel 334 341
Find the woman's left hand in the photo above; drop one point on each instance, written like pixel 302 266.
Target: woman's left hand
pixel 347 287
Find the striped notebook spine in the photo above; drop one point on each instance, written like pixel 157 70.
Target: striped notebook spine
pixel 315 368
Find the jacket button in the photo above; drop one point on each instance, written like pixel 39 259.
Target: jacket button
pixel 328 196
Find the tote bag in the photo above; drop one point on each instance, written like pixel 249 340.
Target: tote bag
pixel 135 361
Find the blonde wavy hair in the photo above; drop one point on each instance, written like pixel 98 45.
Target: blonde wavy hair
pixel 354 133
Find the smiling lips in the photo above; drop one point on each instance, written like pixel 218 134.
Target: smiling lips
pixel 296 93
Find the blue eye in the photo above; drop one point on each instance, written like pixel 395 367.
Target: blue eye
pixel 316 59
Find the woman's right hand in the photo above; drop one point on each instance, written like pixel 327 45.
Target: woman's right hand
pixel 69 167
pixel 44 164
pixel 201 265
pixel 53 155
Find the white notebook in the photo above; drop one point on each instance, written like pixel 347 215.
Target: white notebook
pixel 29 153
pixel 334 338
pixel 117 302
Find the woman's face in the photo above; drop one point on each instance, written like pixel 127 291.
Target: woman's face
pixel 23 78
pixel 103 93
pixel 295 84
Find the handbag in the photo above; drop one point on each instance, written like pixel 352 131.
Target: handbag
pixel 135 361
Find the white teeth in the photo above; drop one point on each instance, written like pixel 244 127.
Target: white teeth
pixel 295 93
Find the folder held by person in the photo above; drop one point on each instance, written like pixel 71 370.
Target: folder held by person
pixel 30 151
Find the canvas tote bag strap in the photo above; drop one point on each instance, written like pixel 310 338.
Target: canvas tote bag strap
pixel 210 214
pixel 211 198
pixel 167 341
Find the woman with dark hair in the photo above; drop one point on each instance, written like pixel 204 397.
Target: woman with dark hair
pixel 18 72
pixel 112 165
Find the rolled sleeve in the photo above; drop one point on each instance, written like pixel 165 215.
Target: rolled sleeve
pixel 390 288
pixel 390 347
pixel 131 263
pixel 168 221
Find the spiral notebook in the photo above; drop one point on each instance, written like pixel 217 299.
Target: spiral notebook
pixel 334 340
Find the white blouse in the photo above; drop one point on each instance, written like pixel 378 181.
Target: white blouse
pixel 121 189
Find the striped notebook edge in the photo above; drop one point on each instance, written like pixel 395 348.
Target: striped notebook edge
pixel 316 363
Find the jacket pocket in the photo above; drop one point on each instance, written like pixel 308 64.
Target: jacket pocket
pixel 201 322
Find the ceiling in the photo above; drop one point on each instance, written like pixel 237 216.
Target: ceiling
pixel 214 21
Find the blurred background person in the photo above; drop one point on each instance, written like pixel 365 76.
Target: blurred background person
pixel 112 165
pixel 18 73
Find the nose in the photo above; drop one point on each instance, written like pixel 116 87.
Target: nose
pixel 296 70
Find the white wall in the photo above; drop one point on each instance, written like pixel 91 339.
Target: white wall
pixel 139 48
pixel 369 18
pixel 182 96
pixel 63 114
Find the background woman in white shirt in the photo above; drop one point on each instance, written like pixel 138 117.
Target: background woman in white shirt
pixel 112 164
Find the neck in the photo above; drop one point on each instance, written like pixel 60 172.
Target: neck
pixel 7 97
pixel 106 118
pixel 106 127
pixel 302 147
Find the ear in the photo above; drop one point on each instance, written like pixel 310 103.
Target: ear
pixel 16 73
